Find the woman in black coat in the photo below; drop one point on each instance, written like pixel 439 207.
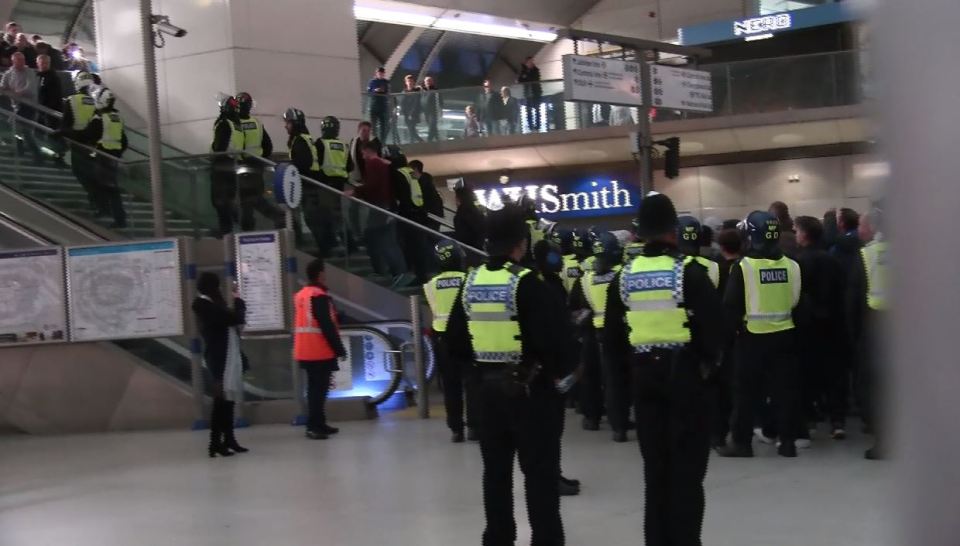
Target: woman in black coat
pixel 215 321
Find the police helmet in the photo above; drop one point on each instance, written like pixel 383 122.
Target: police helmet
pixel 330 127
pixel 104 99
pixel 450 255
pixel 296 116
pixel 244 103
pixel 609 251
pixel 582 242
pixel 563 238
pixel 228 105
pixel 548 257
pixel 82 80
pixel 688 234
pixel 762 229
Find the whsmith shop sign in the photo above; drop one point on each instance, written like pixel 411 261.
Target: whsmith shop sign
pixel 567 197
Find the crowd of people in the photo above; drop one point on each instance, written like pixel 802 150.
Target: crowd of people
pixel 694 336
pixel 70 56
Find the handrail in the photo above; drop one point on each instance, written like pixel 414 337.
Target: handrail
pixel 49 131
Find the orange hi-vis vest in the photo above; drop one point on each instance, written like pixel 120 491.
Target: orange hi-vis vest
pixel 309 343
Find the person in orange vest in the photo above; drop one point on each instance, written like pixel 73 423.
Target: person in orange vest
pixel 317 346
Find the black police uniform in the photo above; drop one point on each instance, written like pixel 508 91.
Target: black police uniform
pixel 590 386
pixel 672 407
pixel 223 176
pixel 524 424
pixel 315 215
pixel 252 187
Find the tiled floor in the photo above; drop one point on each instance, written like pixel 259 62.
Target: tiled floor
pixel 398 481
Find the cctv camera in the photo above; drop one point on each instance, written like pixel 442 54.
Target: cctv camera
pixel 163 24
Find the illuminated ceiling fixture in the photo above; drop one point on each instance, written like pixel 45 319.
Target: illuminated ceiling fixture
pixel 766 36
pixel 402 13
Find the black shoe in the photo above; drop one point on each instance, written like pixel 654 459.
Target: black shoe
pixel 457 438
pixel 313 435
pixel 233 445
pixel 222 451
pixel 838 433
pixel 567 490
pixel 619 436
pixel 735 451
pixel 787 449
pixel 327 429
pixel 873 454
pixel 590 424
pixel 473 435
pixel 570 482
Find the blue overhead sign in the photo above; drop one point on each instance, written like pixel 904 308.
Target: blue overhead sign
pixel 765 26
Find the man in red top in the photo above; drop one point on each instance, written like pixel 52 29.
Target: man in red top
pixel 317 346
pixel 381 231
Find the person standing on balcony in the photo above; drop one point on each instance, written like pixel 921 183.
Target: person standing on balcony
pixel 432 108
pixel 532 92
pixel 508 112
pixel 471 128
pixel 379 91
pixel 489 104
pixel 228 142
pixel 411 108
pixel 106 129
pixel 256 145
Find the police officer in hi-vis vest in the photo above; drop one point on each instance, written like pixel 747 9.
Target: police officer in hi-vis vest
pixel 570 269
pixel 502 323
pixel 106 129
pixel 335 164
pixel 256 144
pixel 304 156
pixel 317 346
pixel 458 374
pixel 595 284
pixel 590 387
pixel 668 316
pixel 762 296
pixel 688 240
pixel 866 308
pixel 228 144
pixel 78 110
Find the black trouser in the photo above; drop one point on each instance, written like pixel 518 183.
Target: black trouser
pixel 433 131
pixel 825 375
pixel 252 198
pixel 673 429
pixel 459 379
pixel 721 383
pixel 318 216
pixel 221 422
pixel 85 170
pixel 318 386
pixel 590 388
pixel 533 113
pixel 616 387
pixel 414 243
pixel 109 195
pixel 870 376
pixel 380 121
pixel 411 119
pixel 515 423
pixel 223 196
pixel 766 366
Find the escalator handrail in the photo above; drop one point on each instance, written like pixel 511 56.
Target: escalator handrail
pixel 49 131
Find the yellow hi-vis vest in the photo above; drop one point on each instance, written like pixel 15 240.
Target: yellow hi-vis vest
pixel 595 288
pixel 416 192
pixel 587 263
pixel 252 136
pixel 490 301
pixel 536 234
pixel 713 268
pixel 335 158
pixel 652 291
pixel 111 138
pixel 772 289
pixel 442 292
pixel 571 272
pixel 235 144
pixel 314 160
pixel 83 108
pixel 874 257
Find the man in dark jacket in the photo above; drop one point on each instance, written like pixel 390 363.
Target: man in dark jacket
pixel 304 156
pixel 468 223
pixel 532 91
pixel 847 246
pixel 432 201
pixel 49 91
pixel 489 104
pixel 824 372
pixel 432 108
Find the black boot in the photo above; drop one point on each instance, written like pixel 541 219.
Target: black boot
pixel 230 440
pixel 216 446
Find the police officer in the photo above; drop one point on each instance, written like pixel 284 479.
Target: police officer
pixel 867 306
pixel 304 156
pixel 78 110
pixel 228 142
pixel 595 284
pixel 501 320
pixel 335 164
pixel 570 270
pixel 535 229
pixel 106 129
pixel 590 387
pixel 689 242
pixel 256 144
pixel 442 292
pixel 668 316
pixel 761 298
pixel 411 203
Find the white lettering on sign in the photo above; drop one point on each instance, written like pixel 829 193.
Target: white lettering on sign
pixel 759 25
pixel 773 276
pixel 550 201
pixel 649 280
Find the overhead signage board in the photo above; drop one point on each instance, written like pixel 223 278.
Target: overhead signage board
pixel 260 278
pixel 604 81
pixel 125 290
pixel 681 88
pixel 33 303
pixel 767 25
pixel 572 197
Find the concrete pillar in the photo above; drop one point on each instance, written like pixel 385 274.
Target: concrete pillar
pixel 300 53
